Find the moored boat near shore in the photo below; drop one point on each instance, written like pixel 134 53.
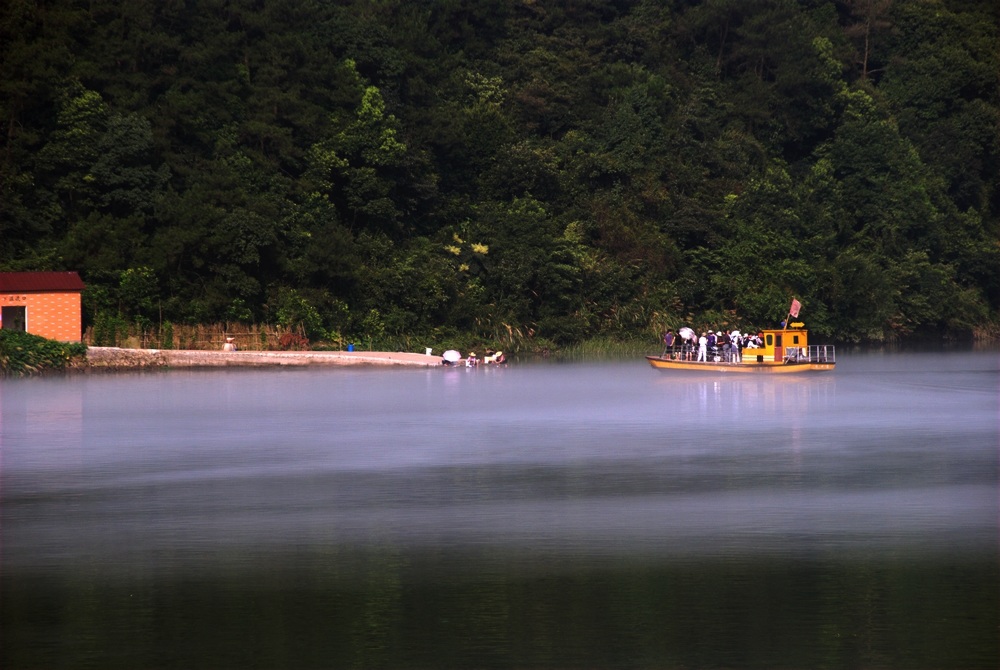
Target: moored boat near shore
pixel 778 350
pixel 784 351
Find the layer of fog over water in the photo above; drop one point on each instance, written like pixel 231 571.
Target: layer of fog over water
pixel 535 515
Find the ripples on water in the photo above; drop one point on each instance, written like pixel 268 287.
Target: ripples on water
pixel 530 516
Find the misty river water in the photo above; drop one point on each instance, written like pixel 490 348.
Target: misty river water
pixel 537 515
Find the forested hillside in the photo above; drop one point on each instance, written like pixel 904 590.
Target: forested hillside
pixel 533 172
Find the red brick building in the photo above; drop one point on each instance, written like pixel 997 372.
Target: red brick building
pixel 42 303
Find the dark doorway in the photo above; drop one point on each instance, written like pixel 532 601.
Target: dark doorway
pixel 14 318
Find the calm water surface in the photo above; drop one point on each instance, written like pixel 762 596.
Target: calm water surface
pixel 532 516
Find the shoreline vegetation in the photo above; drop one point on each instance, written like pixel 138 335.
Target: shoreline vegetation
pixel 23 354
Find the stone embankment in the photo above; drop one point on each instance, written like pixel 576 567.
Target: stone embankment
pixel 125 359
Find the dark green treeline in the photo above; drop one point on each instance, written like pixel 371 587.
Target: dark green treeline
pixel 533 171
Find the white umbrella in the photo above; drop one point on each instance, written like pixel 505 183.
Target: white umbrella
pixel 452 356
pixel 686 333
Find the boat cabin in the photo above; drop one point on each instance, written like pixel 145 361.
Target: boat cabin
pixel 780 344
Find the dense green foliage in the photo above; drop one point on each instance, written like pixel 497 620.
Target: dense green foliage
pixel 552 170
pixel 23 354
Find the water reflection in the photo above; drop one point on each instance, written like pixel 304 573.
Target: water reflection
pixel 583 514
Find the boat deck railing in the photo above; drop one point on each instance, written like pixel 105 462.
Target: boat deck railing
pixel 814 353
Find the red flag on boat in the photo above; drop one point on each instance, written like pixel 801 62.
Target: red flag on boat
pixel 794 309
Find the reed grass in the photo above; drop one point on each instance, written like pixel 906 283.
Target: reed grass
pixel 497 335
pixel 608 348
pixel 201 337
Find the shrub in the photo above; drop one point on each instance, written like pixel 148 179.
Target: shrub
pixel 293 342
pixel 24 354
pixel 167 336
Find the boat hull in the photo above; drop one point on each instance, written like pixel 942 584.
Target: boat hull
pixel 765 367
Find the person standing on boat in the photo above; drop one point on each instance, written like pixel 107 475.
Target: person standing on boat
pixel 703 348
pixel 668 342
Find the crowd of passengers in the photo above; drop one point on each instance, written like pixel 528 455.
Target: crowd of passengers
pixel 711 346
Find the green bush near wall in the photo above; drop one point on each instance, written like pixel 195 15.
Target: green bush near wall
pixel 26 354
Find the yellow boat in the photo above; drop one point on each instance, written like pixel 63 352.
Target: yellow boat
pixel 784 350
